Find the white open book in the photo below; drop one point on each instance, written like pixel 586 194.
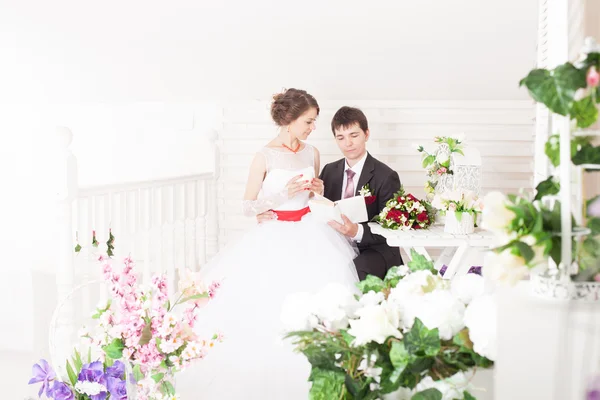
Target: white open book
pixel 326 210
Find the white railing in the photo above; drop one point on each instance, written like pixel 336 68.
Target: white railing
pixel 165 225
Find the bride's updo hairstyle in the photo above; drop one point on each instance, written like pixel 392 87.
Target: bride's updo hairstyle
pixel 289 105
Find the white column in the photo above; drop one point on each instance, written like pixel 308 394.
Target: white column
pixel 66 192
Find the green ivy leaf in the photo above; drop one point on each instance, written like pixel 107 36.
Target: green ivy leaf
pixel 77 248
pixel 419 262
pixel 588 154
pixel 326 384
pixel 420 340
pixel 348 338
pixel 428 394
pixel 463 340
pixel 372 282
pixel 584 112
pixel 468 396
pixel 592 59
pixel 427 161
pixel 525 250
pixel 594 225
pixel 555 89
pixel 158 377
pixel 392 277
pixel 399 356
pixel 549 187
pixel 552 150
pixel 115 349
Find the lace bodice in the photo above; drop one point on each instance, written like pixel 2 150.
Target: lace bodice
pixel 281 167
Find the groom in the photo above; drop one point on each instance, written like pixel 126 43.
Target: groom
pixel 346 177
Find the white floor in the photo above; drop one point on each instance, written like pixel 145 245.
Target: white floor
pixel 15 370
pixel 27 301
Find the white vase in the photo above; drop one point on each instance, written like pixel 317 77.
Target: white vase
pixel 459 223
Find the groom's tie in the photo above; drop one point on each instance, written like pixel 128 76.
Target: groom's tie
pixel 349 192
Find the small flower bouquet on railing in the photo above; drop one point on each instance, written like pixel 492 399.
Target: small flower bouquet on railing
pixel 412 335
pixel 141 334
pixel 406 212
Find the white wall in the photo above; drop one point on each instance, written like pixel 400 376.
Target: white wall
pixel 113 51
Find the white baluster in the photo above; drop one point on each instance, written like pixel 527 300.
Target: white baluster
pixel 66 192
pixel 124 239
pixel 190 225
pixel 101 227
pixel 83 233
pixel 145 224
pixel 156 233
pixel 201 188
pixel 168 230
pixel 179 229
pixel 132 218
pixel 212 220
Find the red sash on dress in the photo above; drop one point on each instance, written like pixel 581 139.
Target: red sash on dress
pixel 291 216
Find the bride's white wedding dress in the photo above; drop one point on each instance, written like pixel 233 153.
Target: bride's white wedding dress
pixel 272 260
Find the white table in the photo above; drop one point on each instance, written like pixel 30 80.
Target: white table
pixel 458 249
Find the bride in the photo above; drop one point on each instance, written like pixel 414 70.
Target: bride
pixel 291 254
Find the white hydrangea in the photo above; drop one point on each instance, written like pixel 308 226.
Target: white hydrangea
pixel 375 323
pixel 438 309
pixel 480 318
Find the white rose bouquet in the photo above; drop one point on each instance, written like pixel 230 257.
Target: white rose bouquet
pixel 411 335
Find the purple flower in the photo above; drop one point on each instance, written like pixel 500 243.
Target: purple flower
pixel 473 270
pixel 594 208
pixel 93 372
pixel 117 388
pixel 60 391
pixel 42 372
pixel 116 371
pixel 593 390
pixel 99 396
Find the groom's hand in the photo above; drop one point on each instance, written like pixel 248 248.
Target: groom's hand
pixel 349 228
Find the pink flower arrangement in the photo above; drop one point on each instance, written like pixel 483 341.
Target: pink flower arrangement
pixel 140 326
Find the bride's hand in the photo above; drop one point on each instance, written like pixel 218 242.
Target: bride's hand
pixel 294 186
pixel 317 186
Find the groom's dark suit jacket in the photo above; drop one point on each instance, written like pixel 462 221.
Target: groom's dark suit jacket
pixel 376 257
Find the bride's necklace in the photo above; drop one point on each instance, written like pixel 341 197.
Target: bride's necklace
pixel 290 149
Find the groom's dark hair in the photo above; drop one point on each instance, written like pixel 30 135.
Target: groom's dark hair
pixel 346 116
